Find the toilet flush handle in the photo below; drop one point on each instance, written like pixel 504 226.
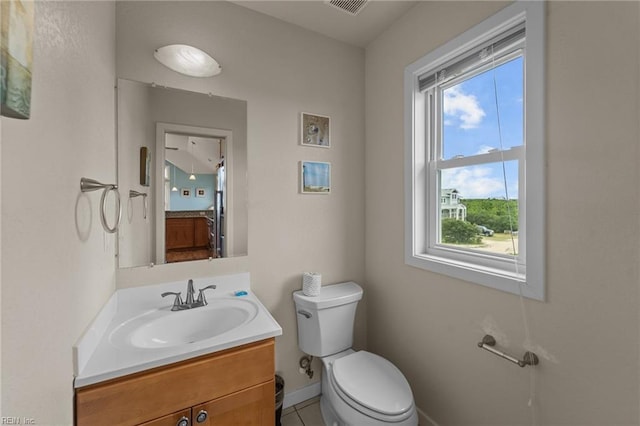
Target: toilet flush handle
pixel 304 313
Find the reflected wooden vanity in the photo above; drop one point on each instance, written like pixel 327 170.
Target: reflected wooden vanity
pixel 189 236
pixel 234 386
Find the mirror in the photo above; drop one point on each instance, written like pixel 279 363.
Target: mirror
pixel 195 206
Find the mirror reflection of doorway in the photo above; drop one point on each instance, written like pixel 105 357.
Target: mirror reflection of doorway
pixel 195 195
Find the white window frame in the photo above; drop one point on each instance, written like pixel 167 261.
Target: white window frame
pixel 422 194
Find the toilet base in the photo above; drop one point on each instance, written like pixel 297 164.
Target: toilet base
pixel 336 412
pixel 329 416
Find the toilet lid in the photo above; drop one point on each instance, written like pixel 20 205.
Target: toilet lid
pixel 373 382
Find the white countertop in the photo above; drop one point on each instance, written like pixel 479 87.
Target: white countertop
pixel 97 359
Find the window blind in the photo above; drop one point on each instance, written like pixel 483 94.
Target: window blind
pixel 504 43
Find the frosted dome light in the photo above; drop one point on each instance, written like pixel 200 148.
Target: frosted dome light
pixel 187 60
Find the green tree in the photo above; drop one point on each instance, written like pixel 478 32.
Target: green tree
pixel 459 232
pixel 493 213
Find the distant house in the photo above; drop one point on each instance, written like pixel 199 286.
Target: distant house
pixel 450 206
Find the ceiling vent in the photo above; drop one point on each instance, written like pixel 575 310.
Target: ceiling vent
pixel 352 7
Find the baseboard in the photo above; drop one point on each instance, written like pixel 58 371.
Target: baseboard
pixel 299 395
pixel 424 420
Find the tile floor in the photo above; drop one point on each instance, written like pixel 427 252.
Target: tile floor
pixel 307 413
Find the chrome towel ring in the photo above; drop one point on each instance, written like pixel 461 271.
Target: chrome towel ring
pixel 87 185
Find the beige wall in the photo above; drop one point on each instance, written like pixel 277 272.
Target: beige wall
pixel 58 264
pixel 280 70
pixel 587 331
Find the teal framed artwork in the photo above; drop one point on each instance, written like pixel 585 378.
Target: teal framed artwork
pixel 16 57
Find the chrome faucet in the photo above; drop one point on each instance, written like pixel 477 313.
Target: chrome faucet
pixel 177 302
pixel 201 299
pixel 189 303
pixel 190 293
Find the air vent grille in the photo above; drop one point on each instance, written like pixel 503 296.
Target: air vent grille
pixel 352 7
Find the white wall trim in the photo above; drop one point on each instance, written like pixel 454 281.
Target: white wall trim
pixel 300 395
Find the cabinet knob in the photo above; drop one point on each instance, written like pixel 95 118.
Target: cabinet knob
pixel 202 416
pixel 184 421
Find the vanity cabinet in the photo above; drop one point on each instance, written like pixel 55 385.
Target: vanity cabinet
pixel 186 232
pixel 234 386
pixel 251 406
pixel 187 238
pixel 171 420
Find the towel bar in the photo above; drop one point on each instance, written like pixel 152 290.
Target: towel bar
pixel 488 343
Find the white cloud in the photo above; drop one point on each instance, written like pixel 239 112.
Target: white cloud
pixel 463 106
pixel 484 149
pixel 478 182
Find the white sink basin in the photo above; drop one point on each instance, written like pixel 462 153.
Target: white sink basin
pixel 163 328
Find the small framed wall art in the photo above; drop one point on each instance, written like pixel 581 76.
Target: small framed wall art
pixel 200 192
pixel 16 52
pixel 185 192
pixel 315 177
pixel 315 130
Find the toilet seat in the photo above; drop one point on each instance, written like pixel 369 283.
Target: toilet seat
pixel 373 386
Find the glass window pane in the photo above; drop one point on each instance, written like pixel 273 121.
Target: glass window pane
pixel 470 117
pixel 475 211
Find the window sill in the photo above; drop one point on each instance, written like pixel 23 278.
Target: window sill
pixel 502 280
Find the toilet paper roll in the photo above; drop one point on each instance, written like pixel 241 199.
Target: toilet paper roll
pixel 311 282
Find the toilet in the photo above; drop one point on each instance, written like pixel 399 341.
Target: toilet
pixel 358 387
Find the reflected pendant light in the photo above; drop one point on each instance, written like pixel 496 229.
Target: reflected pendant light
pixel 187 60
pixel 192 176
pixel 174 188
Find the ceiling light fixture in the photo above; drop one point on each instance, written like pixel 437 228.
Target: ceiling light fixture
pixel 187 60
pixel 192 176
pixel 174 188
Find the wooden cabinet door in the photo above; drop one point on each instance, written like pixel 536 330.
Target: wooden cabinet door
pixel 201 238
pixel 157 392
pixel 175 419
pixel 252 406
pixel 179 233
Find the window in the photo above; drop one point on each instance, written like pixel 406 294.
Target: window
pixel 474 169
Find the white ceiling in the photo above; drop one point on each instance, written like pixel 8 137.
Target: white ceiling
pixel 318 16
pixel 201 154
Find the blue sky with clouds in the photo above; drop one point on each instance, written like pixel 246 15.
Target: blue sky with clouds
pixel 471 127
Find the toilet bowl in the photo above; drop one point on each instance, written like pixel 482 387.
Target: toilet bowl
pixel 361 388
pixel 358 387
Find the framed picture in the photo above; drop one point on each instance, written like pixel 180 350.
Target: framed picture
pixel 145 165
pixel 16 57
pixel 315 177
pixel 315 130
pixel 185 192
pixel 200 192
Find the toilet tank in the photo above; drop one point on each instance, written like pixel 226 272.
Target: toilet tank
pixel 325 322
